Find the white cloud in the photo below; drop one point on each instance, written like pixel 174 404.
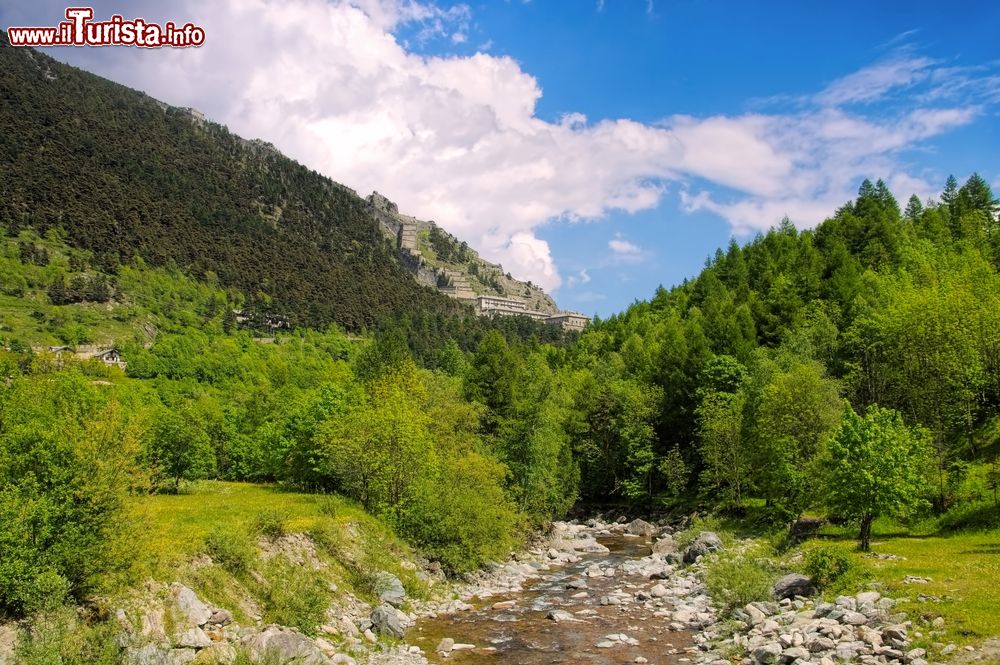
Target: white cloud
pixel 456 139
pixel 623 247
pixel 581 277
pixel 624 251
pixel 875 81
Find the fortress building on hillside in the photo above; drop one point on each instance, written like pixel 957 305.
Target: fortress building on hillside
pixel 437 259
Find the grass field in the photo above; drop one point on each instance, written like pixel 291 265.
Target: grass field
pixel 963 569
pixel 174 528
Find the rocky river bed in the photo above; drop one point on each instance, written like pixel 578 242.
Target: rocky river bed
pixel 590 593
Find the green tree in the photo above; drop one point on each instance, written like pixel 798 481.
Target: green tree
pixel 68 460
pixel 876 468
pixel 179 448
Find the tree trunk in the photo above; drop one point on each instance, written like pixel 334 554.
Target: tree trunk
pixel 866 532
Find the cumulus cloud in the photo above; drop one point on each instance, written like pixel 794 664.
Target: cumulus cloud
pixel 334 84
pixel 624 251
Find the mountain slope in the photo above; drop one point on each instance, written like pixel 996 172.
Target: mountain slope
pixel 127 176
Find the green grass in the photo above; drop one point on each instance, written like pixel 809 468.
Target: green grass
pixel 354 544
pixel 180 523
pixel 964 568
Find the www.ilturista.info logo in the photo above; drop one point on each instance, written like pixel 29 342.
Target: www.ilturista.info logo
pixel 79 29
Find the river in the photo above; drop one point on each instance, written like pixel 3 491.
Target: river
pixel 605 618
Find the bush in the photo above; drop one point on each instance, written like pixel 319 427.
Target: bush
pixel 231 550
pixel 295 596
pixel 59 638
pixel 462 519
pixel 271 524
pixel 832 568
pixel 735 581
pixel 67 464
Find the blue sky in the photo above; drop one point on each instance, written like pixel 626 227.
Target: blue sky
pixel 598 148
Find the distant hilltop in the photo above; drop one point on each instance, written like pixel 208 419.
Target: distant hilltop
pixel 438 259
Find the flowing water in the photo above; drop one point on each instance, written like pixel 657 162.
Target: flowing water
pixel 524 634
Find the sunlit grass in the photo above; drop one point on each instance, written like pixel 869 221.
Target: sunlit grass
pixel 964 569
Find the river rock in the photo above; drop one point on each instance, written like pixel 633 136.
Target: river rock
pixel 665 545
pixel 560 615
pixel 767 654
pixel 706 542
pixel 282 645
pixel 793 585
pixel 445 645
pixel 640 528
pixel 386 621
pixel 854 619
pixel 389 588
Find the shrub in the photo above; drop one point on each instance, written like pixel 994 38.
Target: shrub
pixel 462 519
pixel 59 638
pixel 231 550
pixel 67 462
pixel 735 581
pixel 272 524
pixel 295 596
pixel 834 569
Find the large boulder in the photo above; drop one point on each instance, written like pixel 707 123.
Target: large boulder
pixel 280 645
pixel 386 621
pixel 793 585
pixel 665 545
pixel 640 528
pixel 706 542
pixel 191 608
pixel 389 589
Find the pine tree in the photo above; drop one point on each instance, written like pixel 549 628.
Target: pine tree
pixel 914 209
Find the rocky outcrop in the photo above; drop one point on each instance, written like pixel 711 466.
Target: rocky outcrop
pixel 793 585
pixel 389 589
pixel 705 543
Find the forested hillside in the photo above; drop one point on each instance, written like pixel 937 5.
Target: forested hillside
pixel 126 176
pixel 744 367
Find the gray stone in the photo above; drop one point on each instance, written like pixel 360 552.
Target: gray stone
pixel 221 618
pixel 823 609
pixel 794 653
pixel 854 619
pixel 389 588
pixel 658 591
pixel 560 615
pixel 284 646
pixel 386 621
pixel 190 606
pixel 757 617
pixel 193 638
pixel 445 645
pixel 767 654
pixel 706 542
pixel 846 602
pixel 868 598
pixel 821 644
pixel 793 585
pixel 640 528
